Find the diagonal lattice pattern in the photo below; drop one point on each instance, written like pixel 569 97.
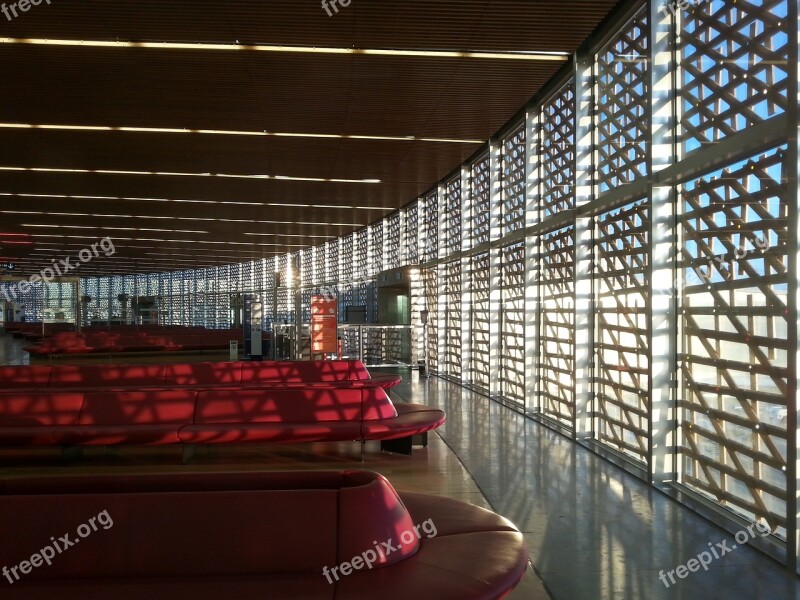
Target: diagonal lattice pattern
pixel 451 215
pixel 361 266
pixel 429 249
pixel 556 355
pixel 376 238
pixel 412 234
pixel 512 215
pixel 557 149
pixel 450 309
pixel 347 258
pixel 430 287
pixel 512 324
pixel 479 320
pixel 734 73
pixel 622 105
pixel 481 201
pixel 734 333
pixel 621 337
pixel 332 261
pixel 307 266
pixel 392 248
pixel 319 265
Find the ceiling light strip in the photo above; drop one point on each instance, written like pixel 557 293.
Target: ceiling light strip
pixel 332 136
pixel 181 201
pixel 178 174
pixel 522 55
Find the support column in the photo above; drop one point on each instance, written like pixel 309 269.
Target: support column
pixel 793 299
pixel 532 256
pixel 584 260
pixel 466 296
pixel 664 286
pixel 495 283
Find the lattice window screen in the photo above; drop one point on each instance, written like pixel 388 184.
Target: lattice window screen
pixel 556 358
pixel 512 324
pixel 481 201
pixel 622 105
pixel 513 181
pixel 734 68
pixel 479 320
pixel 621 338
pixel 734 376
pixel 558 152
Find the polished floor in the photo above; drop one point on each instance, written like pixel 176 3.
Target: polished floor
pixel 594 532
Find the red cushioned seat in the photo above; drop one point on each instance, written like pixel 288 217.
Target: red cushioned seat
pixel 447 568
pixel 147 417
pixel 386 380
pixel 461 552
pixel 412 419
pixel 241 587
pixel 279 414
pixel 31 418
pixel 224 433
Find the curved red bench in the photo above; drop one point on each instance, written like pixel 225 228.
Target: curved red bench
pixel 210 416
pixel 143 341
pixel 190 374
pixel 252 536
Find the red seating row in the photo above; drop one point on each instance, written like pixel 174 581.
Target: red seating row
pixel 208 416
pixel 105 342
pixel 188 374
pixel 272 535
pixel 38 331
pixel 34 331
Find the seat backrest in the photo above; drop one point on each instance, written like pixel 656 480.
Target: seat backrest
pixel 298 371
pixel 276 405
pixel 203 373
pixel 28 376
pixel 150 407
pixel 265 523
pixel 376 403
pixel 27 409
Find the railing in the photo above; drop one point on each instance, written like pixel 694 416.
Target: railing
pixel 374 345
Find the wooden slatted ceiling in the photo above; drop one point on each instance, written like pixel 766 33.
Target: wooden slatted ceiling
pixel 432 97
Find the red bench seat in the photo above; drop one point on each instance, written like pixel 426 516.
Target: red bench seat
pixel 142 341
pixel 208 416
pixel 189 374
pixel 252 536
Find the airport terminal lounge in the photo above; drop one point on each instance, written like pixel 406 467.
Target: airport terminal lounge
pixel 399 299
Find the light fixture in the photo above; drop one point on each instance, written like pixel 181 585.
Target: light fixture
pixel 521 55
pixel 233 132
pixel 179 174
